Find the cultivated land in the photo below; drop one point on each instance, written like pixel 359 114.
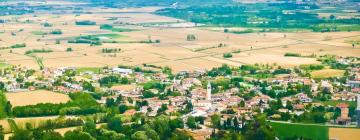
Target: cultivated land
pixel 36 97
pixel 173 50
pixel 344 133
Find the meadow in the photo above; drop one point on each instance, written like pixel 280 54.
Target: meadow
pixel 306 131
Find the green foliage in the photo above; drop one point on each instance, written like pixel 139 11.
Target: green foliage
pixel 56 32
pixel 61 123
pixel 85 22
pixel 18 46
pixel 191 37
pixel 47 24
pixel 112 80
pixel 69 49
pixel 112 28
pixel 242 31
pixel 227 55
pixel 5 106
pixel 28 52
pixel 312 67
pixel 21 135
pixel 270 15
pixel 221 71
pixel 260 130
pixel 306 131
pixel 81 104
pixel 292 54
pixel 78 135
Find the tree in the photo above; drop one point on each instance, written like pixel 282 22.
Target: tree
pixel 110 135
pixel 51 136
pixel 89 127
pixel 180 135
pixel 88 86
pixel 21 135
pixel 215 121
pixel 176 123
pixel 191 123
pixel 337 113
pixel 115 124
pixel 122 109
pixel 69 49
pixel 259 130
pixel 110 102
pixel 2 86
pixel 162 109
pixel 77 135
pixel 139 135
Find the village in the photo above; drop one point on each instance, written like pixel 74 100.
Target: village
pixel 230 92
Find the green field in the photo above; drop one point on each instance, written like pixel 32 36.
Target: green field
pixel 84 69
pixel 307 131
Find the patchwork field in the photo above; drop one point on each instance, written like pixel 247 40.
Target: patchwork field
pixel 132 28
pixel 35 97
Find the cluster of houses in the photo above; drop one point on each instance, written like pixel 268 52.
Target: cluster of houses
pixel 192 89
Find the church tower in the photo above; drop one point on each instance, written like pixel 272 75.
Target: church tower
pixel 208 92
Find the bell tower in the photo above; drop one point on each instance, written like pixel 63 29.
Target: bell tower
pixel 208 92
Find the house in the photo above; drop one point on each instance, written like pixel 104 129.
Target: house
pixel 130 112
pixel 122 71
pixel 344 118
pixel 303 98
pixel 354 84
pixel 327 87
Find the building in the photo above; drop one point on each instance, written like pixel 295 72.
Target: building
pixel 344 118
pixel 208 92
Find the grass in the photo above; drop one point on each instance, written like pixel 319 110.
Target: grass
pixel 288 131
pixel 38 33
pixel 334 103
pixel 84 69
pixel 110 36
pixel 327 73
pixel 3 65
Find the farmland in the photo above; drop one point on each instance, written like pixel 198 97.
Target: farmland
pixel 36 97
pixel 144 38
pixel 344 133
pixel 313 131
pixel 326 73
pixel 164 69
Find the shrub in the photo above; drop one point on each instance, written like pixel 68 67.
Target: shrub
pixel 38 51
pixel 85 22
pixel 18 46
pixel 292 55
pixel 69 49
pixel 227 55
pixel 56 32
